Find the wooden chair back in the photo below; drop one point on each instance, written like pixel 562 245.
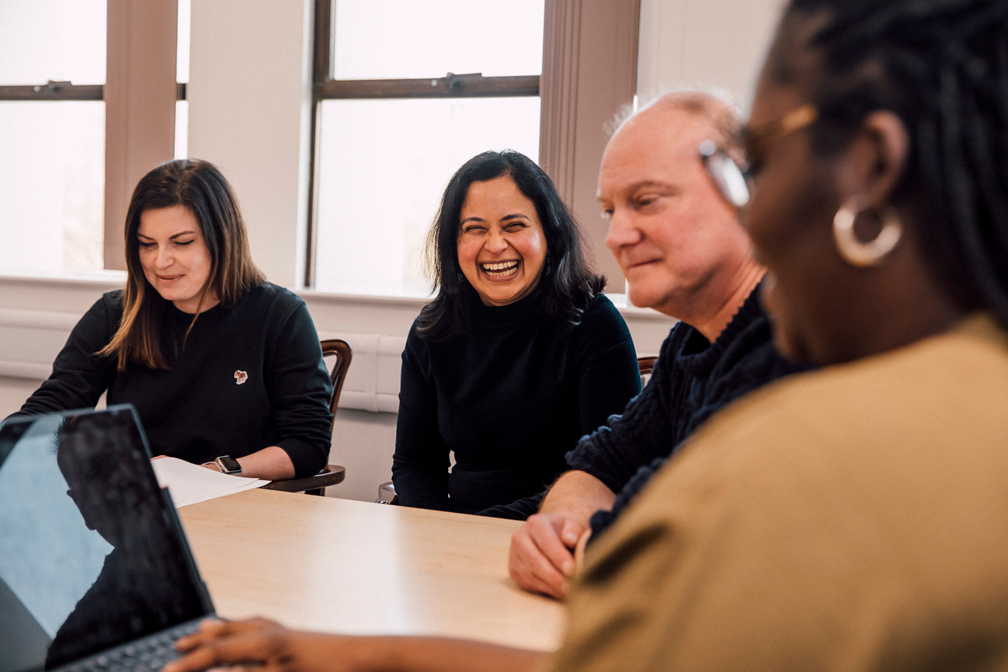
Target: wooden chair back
pixel 344 354
pixel 646 366
pixel 331 474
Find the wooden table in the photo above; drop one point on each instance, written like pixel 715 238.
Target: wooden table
pixel 336 565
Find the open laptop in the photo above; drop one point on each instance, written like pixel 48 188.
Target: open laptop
pixel 95 571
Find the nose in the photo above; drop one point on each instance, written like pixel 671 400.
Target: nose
pixel 164 257
pixel 622 231
pixel 496 243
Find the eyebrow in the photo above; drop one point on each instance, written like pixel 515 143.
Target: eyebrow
pixel 650 183
pixel 177 235
pixel 505 218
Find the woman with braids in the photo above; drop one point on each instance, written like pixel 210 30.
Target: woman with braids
pixel 216 360
pixel 518 355
pixel 852 518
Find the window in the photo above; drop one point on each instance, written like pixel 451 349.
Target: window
pixel 87 105
pixel 393 123
pixel 52 135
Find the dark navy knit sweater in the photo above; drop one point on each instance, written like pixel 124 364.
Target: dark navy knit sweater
pixel 692 380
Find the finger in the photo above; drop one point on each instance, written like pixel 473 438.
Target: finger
pixel 570 532
pixel 531 570
pixel 556 589
pixel 551 584
pixel 251 648
pixel 579 550
pixel 551 548
pixel 210 629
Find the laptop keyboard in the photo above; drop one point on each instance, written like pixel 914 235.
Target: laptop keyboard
pixel 149 654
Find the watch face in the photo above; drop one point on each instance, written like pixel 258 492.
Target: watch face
pixel 228 465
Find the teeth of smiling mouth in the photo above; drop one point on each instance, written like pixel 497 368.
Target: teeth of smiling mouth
pixel 499 268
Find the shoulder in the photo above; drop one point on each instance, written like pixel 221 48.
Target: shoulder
pixel 601 330
pixel 111 303
pixel 601 308
pixel 271 303
pixel 274 296
pixel 671 347
pixel 104 315
pixel 601 317
pixel 113 298
pixel 417 347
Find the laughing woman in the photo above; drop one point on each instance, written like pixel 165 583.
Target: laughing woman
pixel 518 355
pixel 215 359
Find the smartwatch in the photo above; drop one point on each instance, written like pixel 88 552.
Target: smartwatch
pixel 227 465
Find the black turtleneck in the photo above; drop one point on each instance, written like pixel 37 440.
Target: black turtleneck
pixel 248 377
pixel 692 379
pixel 510 398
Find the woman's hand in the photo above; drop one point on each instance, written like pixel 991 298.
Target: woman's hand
pixel 269 647
pixel 259 643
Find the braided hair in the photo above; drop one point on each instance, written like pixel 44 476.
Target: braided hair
pixel 942 67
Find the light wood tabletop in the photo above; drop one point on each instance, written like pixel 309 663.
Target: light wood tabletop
pixel 335 565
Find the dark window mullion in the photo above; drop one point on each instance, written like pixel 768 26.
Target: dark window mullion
pixel 52 91
pixel 454 86
pixel 64 92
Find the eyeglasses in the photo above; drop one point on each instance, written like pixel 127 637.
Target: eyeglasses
pixel 734 181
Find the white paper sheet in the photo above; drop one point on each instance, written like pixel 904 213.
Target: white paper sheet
pixel 190 483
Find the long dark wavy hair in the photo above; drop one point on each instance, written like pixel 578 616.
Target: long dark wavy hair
pixel 942 67
pixel 198 186
pixel 567 286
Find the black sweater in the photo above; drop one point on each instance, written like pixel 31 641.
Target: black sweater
pixel 692 380
pixel 510 398
pixel 198 410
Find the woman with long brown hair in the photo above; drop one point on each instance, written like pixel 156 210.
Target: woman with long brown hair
pixel 216 360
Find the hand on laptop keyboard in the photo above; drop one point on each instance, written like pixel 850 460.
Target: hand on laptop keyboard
pixel 260 642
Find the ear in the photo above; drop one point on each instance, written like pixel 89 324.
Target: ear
pixel 879 154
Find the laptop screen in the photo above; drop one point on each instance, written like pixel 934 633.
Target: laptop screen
pixel 91 552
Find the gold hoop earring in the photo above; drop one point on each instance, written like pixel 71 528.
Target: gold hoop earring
pixel 852 250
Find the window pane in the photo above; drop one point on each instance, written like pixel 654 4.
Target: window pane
pixel 52 39
pixel 52 184
pixel 181 129
pixel 429 39
pixel 184 31
pixel 383 165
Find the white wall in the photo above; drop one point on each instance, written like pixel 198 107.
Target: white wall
pixel 710 43
pixel 249 96
pixel 248 101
